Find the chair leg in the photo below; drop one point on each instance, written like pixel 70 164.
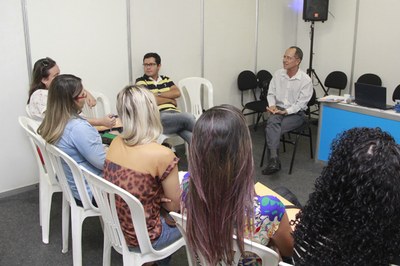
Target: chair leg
pixel 41 193
pixel 106 250
pixel 76 230
pixel 46 197
pixel 263 153
pixel 294 153
pixel 259 115
pixel 284 142
pixel 311 146
pixel 65 224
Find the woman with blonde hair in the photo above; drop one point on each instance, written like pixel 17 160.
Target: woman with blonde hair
pixel 141 166
pixel 65 128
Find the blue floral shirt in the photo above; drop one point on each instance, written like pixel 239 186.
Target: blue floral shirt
pixel 268 213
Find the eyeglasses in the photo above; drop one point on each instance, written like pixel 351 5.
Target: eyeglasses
pixel 290 58
pixel 149 65
pixel 83 96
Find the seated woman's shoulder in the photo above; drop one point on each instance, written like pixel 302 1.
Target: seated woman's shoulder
pixel 161 149
pixel 79 122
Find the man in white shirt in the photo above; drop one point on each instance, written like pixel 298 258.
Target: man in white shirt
pixel 289 92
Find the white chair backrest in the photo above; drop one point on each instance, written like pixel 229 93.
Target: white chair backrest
pixel 30 126
pixel 101 109
pixel 105 194
pixel 267 255
pixel 284 264
pixel 57 156
pixel 197 95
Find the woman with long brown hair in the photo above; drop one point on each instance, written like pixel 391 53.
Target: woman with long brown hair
pixel 44 71
pixel 219 198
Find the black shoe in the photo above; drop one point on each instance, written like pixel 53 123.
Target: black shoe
pixel 274 165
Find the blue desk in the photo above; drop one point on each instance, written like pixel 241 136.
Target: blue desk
pixel 335 118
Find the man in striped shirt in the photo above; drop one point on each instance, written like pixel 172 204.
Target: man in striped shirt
pixel 166 93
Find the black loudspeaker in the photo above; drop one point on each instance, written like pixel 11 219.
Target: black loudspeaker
pixel 315 10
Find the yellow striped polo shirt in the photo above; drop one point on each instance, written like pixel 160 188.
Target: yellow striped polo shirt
pixel 162 85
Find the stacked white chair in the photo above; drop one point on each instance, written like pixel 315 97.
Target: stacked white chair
pixel 101 109
pixel 78 213
pixel 267 255
pixel 105 193
pixel 197 94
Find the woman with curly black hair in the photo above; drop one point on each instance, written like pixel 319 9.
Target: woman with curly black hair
pixel 352 217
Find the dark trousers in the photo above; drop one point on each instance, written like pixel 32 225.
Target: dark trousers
pixel 281 124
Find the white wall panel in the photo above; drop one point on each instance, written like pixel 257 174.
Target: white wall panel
pixel 17 164
pixel 277 31
pixel 173 30
pixel 229 46
pixel 86 38
pixel 378 38
pixel 333 41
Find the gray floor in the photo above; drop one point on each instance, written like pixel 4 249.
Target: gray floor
pixel 21 234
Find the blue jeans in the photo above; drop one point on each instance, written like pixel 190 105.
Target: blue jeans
pixel 179 123
pixel 168 236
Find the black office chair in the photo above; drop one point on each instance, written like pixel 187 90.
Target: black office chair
pixel 370 78
pixel 247 81
pixel 396 94
pixel 303 130
pixel 263 80
pixel 336 80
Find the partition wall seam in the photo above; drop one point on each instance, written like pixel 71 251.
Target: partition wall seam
pixel 128 29
pixel 353 58
pixel 27 38
pixel 256 36
pixel 202 37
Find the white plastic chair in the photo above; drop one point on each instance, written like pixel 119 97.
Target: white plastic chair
pixel 105 193
pixel 267 255
pixel 101 109
pixel 195 100
pixel 48 184
pixel 78 213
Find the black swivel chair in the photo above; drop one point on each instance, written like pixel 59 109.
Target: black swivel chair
pixel 370 78
pixel 336 80
pixel 247 81
pixel 303 130
pixel 396 94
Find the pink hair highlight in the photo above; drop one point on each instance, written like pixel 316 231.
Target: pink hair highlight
pixel 221 188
